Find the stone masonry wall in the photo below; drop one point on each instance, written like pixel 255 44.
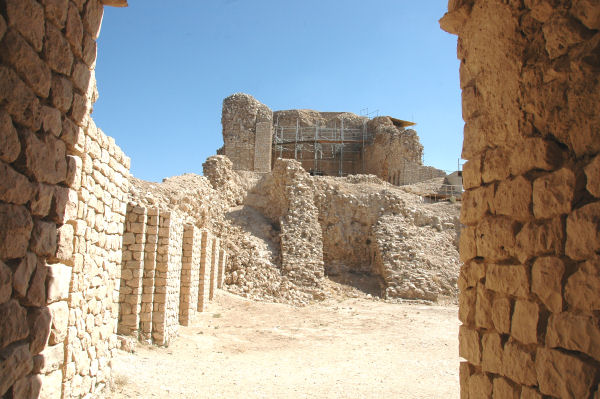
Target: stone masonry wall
pixel 150 255
pixel 190 274
pixel 205 270
pixel 62 191
pixel 247 133
pixel 529 286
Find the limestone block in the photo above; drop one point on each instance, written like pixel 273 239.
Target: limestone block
pixel 10 147
pixel 16 230
pixel 466 311
pixel 469 347
pixel 472 173
pixel 494 165
pixel 592 172
pixel 518 364
pixel 540 238
pixel 14 187
pixel 464 371
pixel 514 198
pixel 6 282
pixel 64 206
pixel 476 204
pixel 27 16
pixel 507 279
pixel 61 93
pixel 81 77
pixel 14 323
pixel 535 153
pixel 59 279
pixel 39 324
pixel 28 65
pixel 53 358
pixel 74 171
pixel 51 120
pixel 581 290
pixel 45 158
pixel 563 375
pixel 43 238
pixel 541 10
pixel 92 18
pixel 28 387
pixel 467 244
pixel 491 356
pixel 74 31
pixel 15 362
pixel 42 199
pixel 57 53
pixel 22 104
pixel 60 317
pixel 64 247
pixel 89 51
pixel 504 389
pixel 583 232
pixel 483 307
pixel 56 11
pixel 495 238
pixel 525 322
pixel 530 393
pixel 480 386
pixel 80 109
pixel 561 33
pixel 574 332
pixel 36 294
pixel 474 141
pixel 546 281
pixel 553 194
pixel 587 12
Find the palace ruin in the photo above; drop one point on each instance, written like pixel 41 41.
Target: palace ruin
pixel 87 251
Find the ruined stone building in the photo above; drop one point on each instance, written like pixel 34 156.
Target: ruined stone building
pixel 325 143
pixel 73 237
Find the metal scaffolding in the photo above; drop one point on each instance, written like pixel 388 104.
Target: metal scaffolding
pixel 321 144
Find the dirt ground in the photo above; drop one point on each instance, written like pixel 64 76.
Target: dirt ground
pixel 340 348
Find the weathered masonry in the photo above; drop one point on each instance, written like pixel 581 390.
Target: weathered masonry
pixel 325 143
pixel 530 284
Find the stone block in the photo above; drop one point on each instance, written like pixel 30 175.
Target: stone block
pixel 74 171
pixel 592 173
pixel 64 247
pixel 581 290
pixel 64 205
pixel 535 154
pixel 10 147
pixel 45 158
pixel 587 12
pixel 469 347
pixel 28 387
pixel 51 120
pixel 14 323
pixel 563 375
pixel 546 281
pixel 43 238
pixel 483 308
pixel 464 371
pixel 514 198
pixel 476 204
pixel 505 389
pixel 518 364
pixel 14 187
pixel 15 51
pixel 81 76
pixel 574 332
pixel 23 274
pixel 60 318
pixel 467 244
pixel 530 393
pixel 541 238
pixel 2 27
pixel 61 93
pixel 39 324
pixel 501 314
pixel 495 238
pixel 80 109
pixel 56 11
pixel 16 230
pixel 42 199
pixel 583 232
pixel 36 293
pixel 561 33
pixel 6 283
pixel 27 16
pixel 507 279
pixel 74 31
pixel 22 104
pixel 57 53
pixel 15 363
pixel 491 355
pixel 480 386
pixel 59 280
pixel 92 18
pixel 525 320
pixel 494 164
pixel 472 173
pixel 53 358
pixel 467 299
pixel 554 193
pixel 89 51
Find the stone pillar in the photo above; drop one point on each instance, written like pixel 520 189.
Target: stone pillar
pixel 165 315
pixel 150 252
pixel 190 274
pixel 205 271
pixel 132 269
pixel 214 268
pixel 529 296
pixel 222 262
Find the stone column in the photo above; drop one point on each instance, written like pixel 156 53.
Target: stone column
pixel 205 271
pixel 190 274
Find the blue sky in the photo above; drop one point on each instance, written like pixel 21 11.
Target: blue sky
pixel 164 68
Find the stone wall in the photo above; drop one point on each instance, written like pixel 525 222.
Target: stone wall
pixel 62 204
pixel 190 274
pixel 247 133
pixel 529 295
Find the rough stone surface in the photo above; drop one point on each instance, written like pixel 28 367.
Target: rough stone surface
pixel 563 375
pixel 16 230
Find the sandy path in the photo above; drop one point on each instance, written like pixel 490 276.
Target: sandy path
pixel 355 348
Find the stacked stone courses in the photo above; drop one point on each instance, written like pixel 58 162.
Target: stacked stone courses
pixel 529 286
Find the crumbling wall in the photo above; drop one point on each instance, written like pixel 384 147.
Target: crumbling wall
pixel 62 204
pixel 529 284
pixel 247 133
